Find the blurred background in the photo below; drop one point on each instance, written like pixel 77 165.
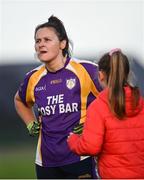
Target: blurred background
pixel 94 26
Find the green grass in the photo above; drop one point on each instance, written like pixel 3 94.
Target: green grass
pixel 17 163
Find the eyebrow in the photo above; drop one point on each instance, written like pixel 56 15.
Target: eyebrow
pixel 43 37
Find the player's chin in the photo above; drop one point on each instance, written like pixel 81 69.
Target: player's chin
pixel 43 59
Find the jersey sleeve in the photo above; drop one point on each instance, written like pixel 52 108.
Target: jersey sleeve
pixel 92 69
pixel 22 91
pixel 94 77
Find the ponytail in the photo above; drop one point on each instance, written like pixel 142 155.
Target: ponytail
pixel 116 66
pixel 116 81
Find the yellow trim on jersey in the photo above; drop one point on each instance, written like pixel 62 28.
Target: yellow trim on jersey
pixel 86 81
pixel 38 159
pixel 30 99
pixel 39 146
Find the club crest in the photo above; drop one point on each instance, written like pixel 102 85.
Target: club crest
pixel 70 83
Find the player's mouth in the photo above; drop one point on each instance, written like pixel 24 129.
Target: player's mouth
pixel 42 52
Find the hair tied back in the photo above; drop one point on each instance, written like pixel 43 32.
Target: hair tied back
pixel 114 50
pixel 52 18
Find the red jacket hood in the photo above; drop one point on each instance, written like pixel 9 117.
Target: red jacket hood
pixel 128 101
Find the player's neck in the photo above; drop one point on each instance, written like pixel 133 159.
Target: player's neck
pixel 56 64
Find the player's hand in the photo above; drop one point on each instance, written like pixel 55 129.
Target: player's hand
pixel 78 129
pixel 33 128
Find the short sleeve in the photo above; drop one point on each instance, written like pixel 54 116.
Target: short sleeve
pixel 92 69
pixel 22 91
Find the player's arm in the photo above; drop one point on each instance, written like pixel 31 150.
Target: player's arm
pixel 27 115
pixel 91 140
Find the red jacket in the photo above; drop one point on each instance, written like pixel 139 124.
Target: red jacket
pixel 118 144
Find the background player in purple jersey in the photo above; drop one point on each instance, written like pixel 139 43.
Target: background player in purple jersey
pixel 62 88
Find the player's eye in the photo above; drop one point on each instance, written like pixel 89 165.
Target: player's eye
pixel 37 41
pixel 47 39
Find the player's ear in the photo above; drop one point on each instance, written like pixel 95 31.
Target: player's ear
pixel 101 75
pixel 102 78
pixel 63 44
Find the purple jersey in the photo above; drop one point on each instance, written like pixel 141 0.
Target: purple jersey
pixel 62 98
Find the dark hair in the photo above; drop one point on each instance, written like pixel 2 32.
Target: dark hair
pixel 59 28
pixel 116 67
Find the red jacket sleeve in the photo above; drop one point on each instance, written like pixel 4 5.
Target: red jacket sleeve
pixel 91 140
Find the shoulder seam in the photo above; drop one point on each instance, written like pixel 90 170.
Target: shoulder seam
pixel 35 69
pixel 83 61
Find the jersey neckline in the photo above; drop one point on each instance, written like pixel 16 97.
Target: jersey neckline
pixel 66 63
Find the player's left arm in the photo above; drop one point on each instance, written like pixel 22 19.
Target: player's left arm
pixel 96 86
pixel 92 70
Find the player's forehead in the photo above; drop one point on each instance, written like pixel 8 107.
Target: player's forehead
pixel 45 32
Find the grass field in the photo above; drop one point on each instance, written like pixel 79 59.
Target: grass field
pixel 17 163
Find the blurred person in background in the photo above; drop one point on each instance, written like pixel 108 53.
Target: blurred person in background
pixel 114 127
pixel 62 88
